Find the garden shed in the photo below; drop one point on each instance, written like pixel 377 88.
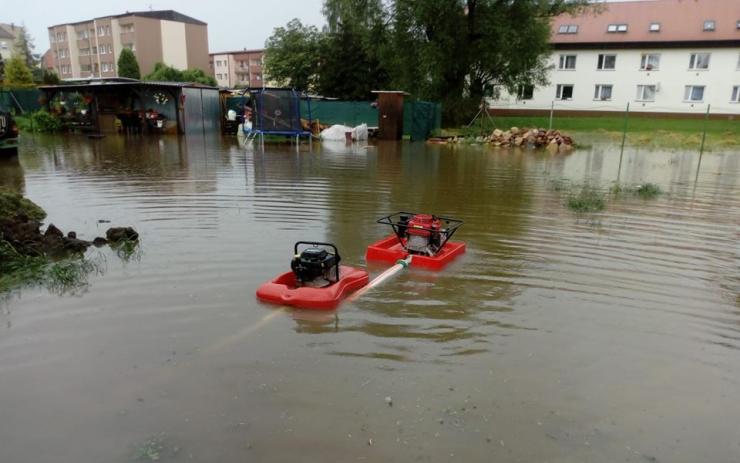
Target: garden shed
pixel 120 104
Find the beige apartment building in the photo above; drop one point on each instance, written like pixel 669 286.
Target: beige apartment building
pixel 237 68
pixel 91 48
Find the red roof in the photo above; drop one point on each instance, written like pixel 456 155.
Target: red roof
pixel 679 21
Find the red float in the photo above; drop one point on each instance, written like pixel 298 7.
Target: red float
pixel 316 281
pixel 284 291
pixel 423 236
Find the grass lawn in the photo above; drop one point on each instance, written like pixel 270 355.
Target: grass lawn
pixel 671 133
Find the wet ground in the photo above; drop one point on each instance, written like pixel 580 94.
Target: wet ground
pixel 558 337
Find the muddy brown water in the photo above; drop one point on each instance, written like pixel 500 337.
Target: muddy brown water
pixel 557 337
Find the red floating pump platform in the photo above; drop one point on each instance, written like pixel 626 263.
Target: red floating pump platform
pixel 316 280
pixel 425 237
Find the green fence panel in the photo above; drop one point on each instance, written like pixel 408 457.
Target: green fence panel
pixel 421 118
pixel 351 113
pixel 20 100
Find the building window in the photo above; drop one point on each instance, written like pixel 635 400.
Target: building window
pixel 525 92
pixel 564 92
pixel 567 62
pixel 612 28
pixel 709 25
pixel 82 35
pixel 103 30
pixel 607 62
pixel 107 67
pixel 699 61
pixel 568 29
pixel 52 39
pixel 65 69
pixel 256 62
pixel 84 51
pixel 693 93
pixel 603 92
pixel 258 77
pixel 735 94
pixel 130 46
pixel 61 36
pixel 650 62
pixel 126 28
pixel 63 53
pixel 646 93
pixel 654 27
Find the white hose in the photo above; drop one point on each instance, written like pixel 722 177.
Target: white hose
pixel 399 265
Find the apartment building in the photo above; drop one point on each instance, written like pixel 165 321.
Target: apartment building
pixel 661 56
pixel 91 48
pixel 8 35
pixel 238 68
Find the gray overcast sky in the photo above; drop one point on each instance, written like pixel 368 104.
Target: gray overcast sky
pixel 231 25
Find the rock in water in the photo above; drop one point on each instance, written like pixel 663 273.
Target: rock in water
pixel 51 230
pixel 115 234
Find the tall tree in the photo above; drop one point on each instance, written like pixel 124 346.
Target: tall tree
pixel 348 70
pixel 292 56
pixel 23 47
pixel 451 50
pixel 17 73
pixel 127 64
pixel 445 50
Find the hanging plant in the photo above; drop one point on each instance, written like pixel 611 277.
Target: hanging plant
pixel 160 98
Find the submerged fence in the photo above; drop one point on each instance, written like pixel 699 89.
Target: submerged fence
pixel 420 118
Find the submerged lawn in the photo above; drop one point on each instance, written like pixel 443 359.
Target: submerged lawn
pixel 670 133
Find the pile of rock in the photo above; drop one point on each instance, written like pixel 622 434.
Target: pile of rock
pixel 26 237
pixel 530 138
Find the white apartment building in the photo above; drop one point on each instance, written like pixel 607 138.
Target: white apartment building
pixel 660 56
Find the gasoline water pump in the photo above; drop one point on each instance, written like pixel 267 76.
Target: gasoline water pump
pixel 315 266
pixel 421 234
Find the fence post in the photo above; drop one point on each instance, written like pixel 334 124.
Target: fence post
pixel 552 109
pixel 624 137
pixel 703 138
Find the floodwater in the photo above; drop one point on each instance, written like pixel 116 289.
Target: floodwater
pixel 557 337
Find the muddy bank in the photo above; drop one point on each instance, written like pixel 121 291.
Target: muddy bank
pixel 25 248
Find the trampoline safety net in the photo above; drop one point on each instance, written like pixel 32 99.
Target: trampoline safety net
pixel 277 111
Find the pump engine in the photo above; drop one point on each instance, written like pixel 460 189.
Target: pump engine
pixel 315 266
pixel 421 234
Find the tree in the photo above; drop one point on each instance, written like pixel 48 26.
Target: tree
pixel 162 72
pixel 348 70
pixel 127 64
pixel 452 51
pixel 17 73
pixel 23 47
pixel 49 77
pixel 292 56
